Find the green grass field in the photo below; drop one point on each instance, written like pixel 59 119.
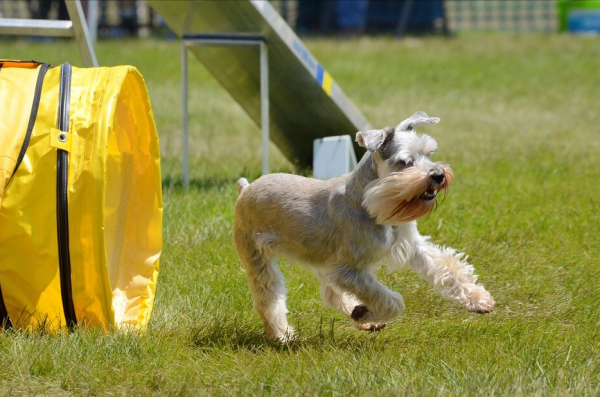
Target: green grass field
pixel 520 127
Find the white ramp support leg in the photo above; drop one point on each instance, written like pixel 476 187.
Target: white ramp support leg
pixel 81 33
pixel 76 28
pixel 189 41
pixel 264 106
pixel 185 151
pixel 92 19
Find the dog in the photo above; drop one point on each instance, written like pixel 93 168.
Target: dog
pixel 344 227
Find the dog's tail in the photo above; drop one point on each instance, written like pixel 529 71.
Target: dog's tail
pixel 242 183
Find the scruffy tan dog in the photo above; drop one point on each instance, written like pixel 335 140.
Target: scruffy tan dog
pixel 343 227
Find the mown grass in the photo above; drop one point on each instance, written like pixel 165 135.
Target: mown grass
pixel 520 129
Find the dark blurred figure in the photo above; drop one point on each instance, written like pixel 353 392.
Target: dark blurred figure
pixel 402 16
pixel 328 16
pixel 129 19
pixel 44 7
pixel 309 16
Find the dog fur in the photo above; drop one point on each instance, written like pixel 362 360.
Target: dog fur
pixel 344 227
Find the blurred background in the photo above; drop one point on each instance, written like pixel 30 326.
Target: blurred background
pixel 118 18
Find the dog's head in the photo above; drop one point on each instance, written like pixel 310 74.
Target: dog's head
pixel 408 180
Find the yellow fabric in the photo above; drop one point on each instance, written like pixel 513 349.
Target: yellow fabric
pixel 114 196
pixel 16 88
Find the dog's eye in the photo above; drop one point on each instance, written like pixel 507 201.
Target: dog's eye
pixel 430 153
pixel 406 163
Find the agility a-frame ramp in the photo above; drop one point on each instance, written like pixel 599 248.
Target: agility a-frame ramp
pixel 230 38
pixel 76 28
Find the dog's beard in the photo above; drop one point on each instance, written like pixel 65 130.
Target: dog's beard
pixel 401 197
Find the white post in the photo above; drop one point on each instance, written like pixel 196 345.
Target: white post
pixel 225 40
pixel 92 19
pixel 81 33
pixel 184 119
pixel 264 106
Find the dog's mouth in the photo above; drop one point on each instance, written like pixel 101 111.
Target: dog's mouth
pixel 429 195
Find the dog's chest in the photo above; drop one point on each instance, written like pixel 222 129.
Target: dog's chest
pixel 370 246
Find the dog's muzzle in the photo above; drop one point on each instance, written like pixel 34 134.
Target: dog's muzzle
pixel 436 179
pixel 405 196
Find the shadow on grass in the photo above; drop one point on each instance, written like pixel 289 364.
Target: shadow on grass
pixel 239 336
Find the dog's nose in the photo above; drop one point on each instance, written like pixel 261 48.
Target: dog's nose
pixel 437 177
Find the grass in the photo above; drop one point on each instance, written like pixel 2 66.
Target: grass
pixel 520 128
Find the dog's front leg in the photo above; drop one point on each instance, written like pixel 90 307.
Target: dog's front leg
pixel 343 302
pixel 379 303
pixel 449 272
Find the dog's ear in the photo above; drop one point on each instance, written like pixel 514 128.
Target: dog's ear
pixel 419 118
pixel 374 140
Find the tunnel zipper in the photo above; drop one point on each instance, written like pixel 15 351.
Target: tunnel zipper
pixel 62 204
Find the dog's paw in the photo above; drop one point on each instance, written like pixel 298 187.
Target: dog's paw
pixel 482 307
pixel 284 335
pixel 480 301
pixel 476 299
pixel 286 338
pixel 370 327
pixel 359 312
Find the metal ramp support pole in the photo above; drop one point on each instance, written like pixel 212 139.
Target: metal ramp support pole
pixel 185 155
pixel 76 28
pixel 189 41
pixel 264 106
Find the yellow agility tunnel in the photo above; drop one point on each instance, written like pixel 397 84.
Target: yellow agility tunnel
pixel 80 197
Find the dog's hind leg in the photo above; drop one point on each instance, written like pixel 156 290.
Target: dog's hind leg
pixel 344 303
pixel 450 273
pixel 267 287
pixel 379 303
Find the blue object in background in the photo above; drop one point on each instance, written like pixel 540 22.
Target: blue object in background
pixel 351 14
pixel 368 16
pixel 584 21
